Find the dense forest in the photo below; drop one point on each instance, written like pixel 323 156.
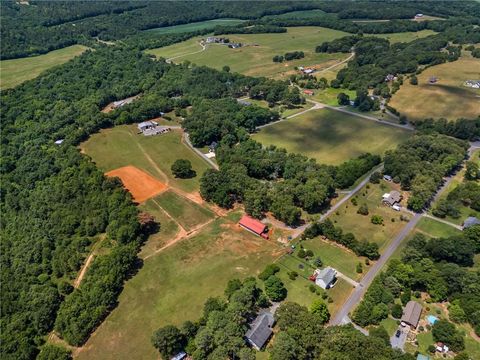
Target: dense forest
pixel 420 163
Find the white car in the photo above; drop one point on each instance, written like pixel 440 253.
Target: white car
pixel 396 208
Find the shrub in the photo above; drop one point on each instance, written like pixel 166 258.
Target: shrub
pixel 292 275
pixel 354 201
pixel 363 209
pixel 269 270
pixel 377 220
pixel 182 169
pixel 359 268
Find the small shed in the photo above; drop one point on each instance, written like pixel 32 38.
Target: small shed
pixel 470 221
pixel 59 142
pixel 260 330
pixel 180 356
pixel 254 226
pixel 325 278
pixel 244 102
pixel 411 314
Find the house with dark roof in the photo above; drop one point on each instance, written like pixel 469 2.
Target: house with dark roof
pixel 254 226
pixel 392 198
pixel 470 221
pixel 260 330
pixel 325 278
pixel 411 314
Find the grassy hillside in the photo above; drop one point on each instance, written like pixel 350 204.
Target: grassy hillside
pixel 255 58
pixel 200 25
pixel 331 137
pixel 447 98
pixel 14 72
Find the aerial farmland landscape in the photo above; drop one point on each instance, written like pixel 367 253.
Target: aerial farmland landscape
pixel 282 180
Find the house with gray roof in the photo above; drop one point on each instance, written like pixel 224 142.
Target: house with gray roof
pixel 260 330
pixel 411 314
pixel 325 277
pixel 470 221
pixel 392 198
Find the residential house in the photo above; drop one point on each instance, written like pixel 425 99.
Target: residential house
pixel 387 178
pixel 260 330
pixel 254 226
pixel 308 92
pixel 411 314
pixel 244 102
pixel 392 198
pixel 325 278
pixel 470 221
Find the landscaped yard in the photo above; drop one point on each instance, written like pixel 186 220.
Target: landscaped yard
pixel 447 98
pixel 361 226
pixel 172 286
pixel 16 71
pixel 255 57
pixel 122 146
pixel 331 137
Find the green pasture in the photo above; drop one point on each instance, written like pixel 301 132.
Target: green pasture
pixel 435 229
pixel 300 14
pixel 361 226
pixel 173 285
pixel 200 25
pixel 16 71
pixel 187 213
pixel 331 137
pixel 122 146
pixel 329 95
pixel 406 36
pixel 255 57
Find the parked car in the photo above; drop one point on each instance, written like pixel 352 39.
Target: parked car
pixel 397 334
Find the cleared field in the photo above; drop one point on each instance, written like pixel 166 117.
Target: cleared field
pixel 435 229
pixel 360 225
pixel 331 137
pixel 255 58
pixel 16 71
pixel 141 185
pixel 200 25
pixel 406 36
pixel 172 286
pixel 300 14
pixel 188 214
pixel 122 146
pixel 329 95
pixel 447 98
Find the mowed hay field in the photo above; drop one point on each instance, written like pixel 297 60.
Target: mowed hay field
pixel 331 137
pixel 406 36
pixel 200 25
pixel 16 71
pixel 255 58
pixel 173 285
pixel 122 146
pixel 448 98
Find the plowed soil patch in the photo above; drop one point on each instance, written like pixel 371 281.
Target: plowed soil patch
pixel 141 185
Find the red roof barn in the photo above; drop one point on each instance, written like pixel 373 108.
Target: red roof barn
pixel 254 226
pixel 308 92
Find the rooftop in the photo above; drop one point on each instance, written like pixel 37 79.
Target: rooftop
pixel 327 275
pixel 470 221
pixel 260 329
pixel 252 224
pixel 411 313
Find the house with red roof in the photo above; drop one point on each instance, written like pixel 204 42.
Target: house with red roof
pixel 254 226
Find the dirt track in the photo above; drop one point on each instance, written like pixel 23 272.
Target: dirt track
pixel 141 185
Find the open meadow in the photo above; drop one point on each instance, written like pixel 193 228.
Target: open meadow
pixel 255 57
pixel 16 71
pixel 447 98
pixel 406 36
pixel 331 137
pixel 172 286
pixel 121 146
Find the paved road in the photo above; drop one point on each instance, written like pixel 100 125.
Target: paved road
pixel 359 291
pixel 186 137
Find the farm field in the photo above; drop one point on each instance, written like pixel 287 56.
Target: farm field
pixel 331 137
pixel 300 14
pixel 406 36
pixel 200 25
pixel 122 146
pixel 255 58
pixel 172 286
pixel 187 213
pixel 347 218
pixel 447 98
pixel 16 71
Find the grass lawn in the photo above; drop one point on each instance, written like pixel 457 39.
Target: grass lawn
pixel 16 71
pixel 172 287
pixel 329 95
pixel 255 57
pixel 331 137
pixel 188 214
pixel 406 36
pixel 347 218
pixel 121 146
pixel 200 25
pixel 168 228
pixel 337 257
pixel 390 324
pixel 447 98
pixel 433 228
